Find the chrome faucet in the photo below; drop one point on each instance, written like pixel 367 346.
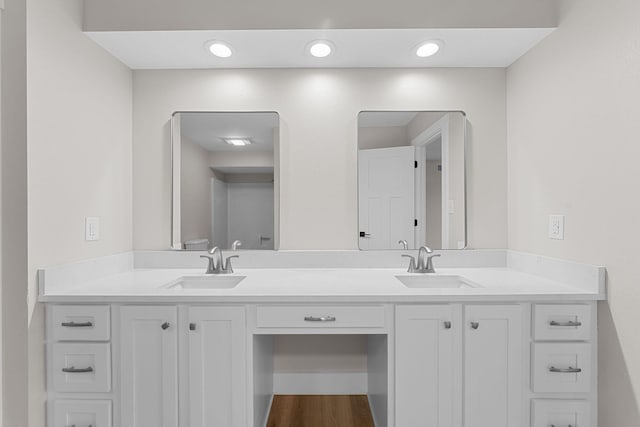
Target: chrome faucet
pixel 218 267
pixel 235 244
pixel 425 262
pixel 404 244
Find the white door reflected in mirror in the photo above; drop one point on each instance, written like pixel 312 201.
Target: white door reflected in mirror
pixel 411 179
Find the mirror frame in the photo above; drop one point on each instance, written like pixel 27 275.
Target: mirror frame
pixel 176 224
pixel 465 179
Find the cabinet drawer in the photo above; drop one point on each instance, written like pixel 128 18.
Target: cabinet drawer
pixel 82 413
pixel 570 322
pixel 320 317
pixel 561 368
pixel 561 413
pixel 81 367
pixel 80 323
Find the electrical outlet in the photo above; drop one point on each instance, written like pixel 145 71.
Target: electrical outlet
pixel 91 228
pixel 556 227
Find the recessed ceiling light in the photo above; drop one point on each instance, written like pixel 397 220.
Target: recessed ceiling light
pixel 219 49
pixel 320 48
pixel 238 142
pixel 428 48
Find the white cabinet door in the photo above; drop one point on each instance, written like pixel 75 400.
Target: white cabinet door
pixel 493 366
pixel 425 361
pixel 217 367
pixel 149 366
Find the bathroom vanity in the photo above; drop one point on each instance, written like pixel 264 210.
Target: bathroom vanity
pixel 491 345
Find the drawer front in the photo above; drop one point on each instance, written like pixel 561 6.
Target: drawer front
pixel 80 323
pixel 82 413
pixel 561 368
pixel 320 317
pixel 569 322
pixel 81 367
pixel 561 413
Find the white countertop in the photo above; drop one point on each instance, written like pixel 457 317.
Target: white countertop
pixel 316 285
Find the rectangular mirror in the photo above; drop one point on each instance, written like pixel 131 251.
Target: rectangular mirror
pixel 411 179
pixel 225 179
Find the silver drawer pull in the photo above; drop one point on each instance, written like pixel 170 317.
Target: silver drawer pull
pixel 74 370
pixel 320 319
pixel 568 370
pixel 569 323
pixel 77 325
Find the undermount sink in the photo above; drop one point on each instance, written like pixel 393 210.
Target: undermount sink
pixel 435 281
pixel 207 282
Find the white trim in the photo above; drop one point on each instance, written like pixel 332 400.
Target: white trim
pixel 320 383
pixel 438 129
pixel 176 238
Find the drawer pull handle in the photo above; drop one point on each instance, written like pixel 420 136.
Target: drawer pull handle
pixel 568 370
pixel 320 319
pixel 475 325
pixel 569 323
pixel 192 326
pixel 74 370
pixel 447 324
pixel 165 326
pixel 77 325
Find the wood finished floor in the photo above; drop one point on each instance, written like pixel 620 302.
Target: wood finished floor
pixel 320 411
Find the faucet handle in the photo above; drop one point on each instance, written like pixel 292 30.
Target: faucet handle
pixel 429 265
pixel 211 268
pixel 412 263
pixel 228 268
pixel 235 244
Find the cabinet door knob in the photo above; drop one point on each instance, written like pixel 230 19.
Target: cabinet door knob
pixel 192 326
pixel 165 326
pixel 475 325
pixel 447 324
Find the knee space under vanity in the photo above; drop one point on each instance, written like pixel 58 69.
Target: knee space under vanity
pixel 305 369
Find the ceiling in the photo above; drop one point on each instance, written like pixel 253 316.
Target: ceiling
pixel 208 128
pixel 374 48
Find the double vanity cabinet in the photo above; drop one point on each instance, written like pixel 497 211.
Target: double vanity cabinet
pixel 464 362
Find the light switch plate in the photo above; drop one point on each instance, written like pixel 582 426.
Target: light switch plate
pixel 556 227
pixel 91 228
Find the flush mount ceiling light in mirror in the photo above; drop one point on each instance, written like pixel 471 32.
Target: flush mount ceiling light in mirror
pixel 238 142
pixel 320 48
pixel 219 49
pixel 429 48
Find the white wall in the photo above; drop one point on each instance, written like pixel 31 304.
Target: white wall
pixel 195 191
pixel 161 15
pixel 13 168
pixel 318 141
pixel 573 149
pixel 382 137
pixel 79 156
